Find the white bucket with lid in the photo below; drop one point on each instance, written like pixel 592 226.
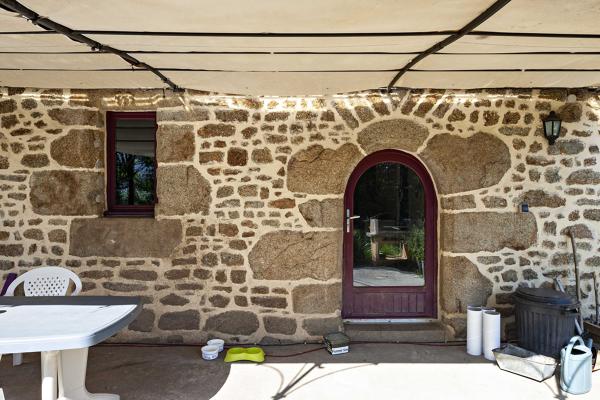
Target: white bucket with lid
pixel 210 352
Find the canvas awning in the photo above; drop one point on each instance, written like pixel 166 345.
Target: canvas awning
pixel 313 47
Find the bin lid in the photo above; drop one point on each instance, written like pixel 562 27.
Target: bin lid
pixel 545 295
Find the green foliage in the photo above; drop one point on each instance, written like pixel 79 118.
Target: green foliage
pixel 362 246
pixel 416 243
pixel 390 250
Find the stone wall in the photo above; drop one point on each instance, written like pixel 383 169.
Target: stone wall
pixel 246 243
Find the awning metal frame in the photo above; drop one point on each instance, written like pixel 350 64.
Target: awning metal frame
pixel 481 18
pixel 50 25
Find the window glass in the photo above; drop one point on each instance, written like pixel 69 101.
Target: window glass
pixel 389 235
pixel 134 161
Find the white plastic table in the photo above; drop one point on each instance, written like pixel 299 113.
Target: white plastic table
pixel 62 329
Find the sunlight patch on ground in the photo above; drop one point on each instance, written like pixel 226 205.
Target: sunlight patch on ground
pixel 386 381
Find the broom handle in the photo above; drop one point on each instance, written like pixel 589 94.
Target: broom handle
pixel 560 287
pixel 596 300
pixel 576 266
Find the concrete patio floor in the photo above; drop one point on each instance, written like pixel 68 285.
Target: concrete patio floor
pixel 369 371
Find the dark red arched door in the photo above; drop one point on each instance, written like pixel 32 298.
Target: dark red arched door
pixel 390 260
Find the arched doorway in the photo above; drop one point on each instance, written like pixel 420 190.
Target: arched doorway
pixel 390 234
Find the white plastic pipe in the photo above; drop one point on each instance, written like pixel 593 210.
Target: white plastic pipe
pixel 474 330
pixel 491 333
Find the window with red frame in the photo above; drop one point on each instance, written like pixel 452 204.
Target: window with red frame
pixel 131 163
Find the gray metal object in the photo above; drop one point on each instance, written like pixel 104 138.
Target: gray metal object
pixel 524 362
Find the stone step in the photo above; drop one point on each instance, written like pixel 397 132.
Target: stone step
pixel 413 332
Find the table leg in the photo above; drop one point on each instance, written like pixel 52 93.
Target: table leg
pixel 71 377
pixel 1 391
pixel 17 359
pixel 49 361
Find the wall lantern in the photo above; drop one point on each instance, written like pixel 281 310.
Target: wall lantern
pixel 552 127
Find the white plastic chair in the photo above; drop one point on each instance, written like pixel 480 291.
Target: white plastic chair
pixel 44 281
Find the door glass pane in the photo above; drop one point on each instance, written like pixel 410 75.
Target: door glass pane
pixel 389 236
pixel 134 145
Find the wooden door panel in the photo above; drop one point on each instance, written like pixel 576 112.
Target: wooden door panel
pixel 373 301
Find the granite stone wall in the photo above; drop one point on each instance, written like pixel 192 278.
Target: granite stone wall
pixel 246 242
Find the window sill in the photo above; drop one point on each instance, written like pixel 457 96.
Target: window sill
pixel 129 214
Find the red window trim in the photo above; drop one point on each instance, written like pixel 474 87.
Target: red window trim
pixel 120 210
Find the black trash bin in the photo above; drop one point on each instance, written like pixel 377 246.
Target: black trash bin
pixel 545 319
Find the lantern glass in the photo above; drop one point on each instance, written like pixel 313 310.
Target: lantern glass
pixel 556 128
pixel 552 127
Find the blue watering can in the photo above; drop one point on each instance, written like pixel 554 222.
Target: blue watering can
pixel 576 367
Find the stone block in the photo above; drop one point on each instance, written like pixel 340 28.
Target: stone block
pixel 175 143
pixel 77 116
pixel 57 192
pixel 178 114
pixel 541 198
pixel 174 300
pixel 262 156
pixel 584 177
pixel 462 164
pixel 35 160
pixel 124 237
pixel 206 157
pixel 139 275
pixel 326 213
pixel 219 301
pixel 283 203
pixel 216 130
pixel 321 326
pixel 280 325
pixel 462 284
pixel 402 134
pixel 487 231
pixel 144 322
pixel 11 250
pixel 289 255
pixel 458 202
pixel 182 190
pixel 237 157
pixel 233 323
pixel 317 298
pixel 188 320
pixel 318 170
pixel 80 148
pixel 8 106
pixel 232 115
pixel 269 301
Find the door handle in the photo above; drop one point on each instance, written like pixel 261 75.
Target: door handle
pixel 349 220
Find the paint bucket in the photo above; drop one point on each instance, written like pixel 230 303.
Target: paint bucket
pixel 220 343
pixel 210 352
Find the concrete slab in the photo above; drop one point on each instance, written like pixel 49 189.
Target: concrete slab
pixel 401 332
pixel 377 371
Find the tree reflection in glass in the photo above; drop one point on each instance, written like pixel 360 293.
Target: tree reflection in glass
pixel 389 235
pixel 135 162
